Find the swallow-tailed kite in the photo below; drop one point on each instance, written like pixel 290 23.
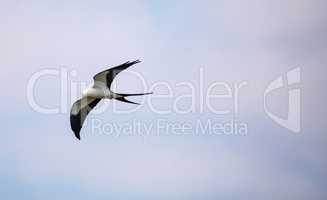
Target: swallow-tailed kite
pixel 93 95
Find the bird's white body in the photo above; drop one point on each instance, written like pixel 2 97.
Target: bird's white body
pixel 99 92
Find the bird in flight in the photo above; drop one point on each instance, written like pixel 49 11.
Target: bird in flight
pixel 93 95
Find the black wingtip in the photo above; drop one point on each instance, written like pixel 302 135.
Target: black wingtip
pixel 130 63
pixel 77 135
pixel 136 61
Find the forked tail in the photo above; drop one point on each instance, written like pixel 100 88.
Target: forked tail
pixel 137 94
pixel 123 99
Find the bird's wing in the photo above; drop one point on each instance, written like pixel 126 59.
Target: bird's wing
pixel 79 111
pixel 106 77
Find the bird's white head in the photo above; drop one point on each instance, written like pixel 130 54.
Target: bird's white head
pixel 85 92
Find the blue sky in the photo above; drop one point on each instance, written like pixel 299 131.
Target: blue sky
pixel 231 41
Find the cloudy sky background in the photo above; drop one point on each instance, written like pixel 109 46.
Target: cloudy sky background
pixel 232 41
